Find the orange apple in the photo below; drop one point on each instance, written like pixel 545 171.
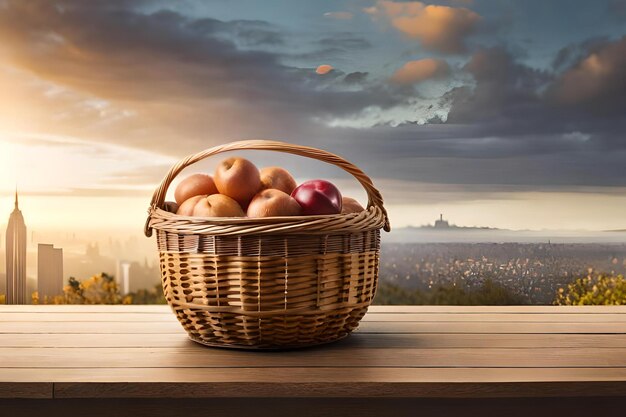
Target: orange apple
pixel 214 205
pixel 218 205
pixel 350 205
pixel 273 202
pixel 238 178
pixel 196 184
pixel 278 178
pixel 186 209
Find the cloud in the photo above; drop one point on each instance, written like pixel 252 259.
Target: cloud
pixel 339 15
pixel 570 54
pixel 176 77
pixel 324 69
pixel 438 28
pixel 414 72
pixel 356 77
pixel 597 81
pixel 505 91
pixel 187 83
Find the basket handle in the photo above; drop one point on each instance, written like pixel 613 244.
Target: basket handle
pixel 375 199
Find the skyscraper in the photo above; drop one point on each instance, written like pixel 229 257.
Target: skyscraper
pixel 49 271
pixel 16 257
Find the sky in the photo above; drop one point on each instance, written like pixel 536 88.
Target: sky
pixel 496 113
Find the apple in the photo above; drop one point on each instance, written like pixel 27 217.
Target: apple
pixel 214 205
pixel 273 202
pixel 318 197
pixel 239 179
pixel 278 178
pixel 350 205
pixel 196 184
pixel 186 209
pixel 170 206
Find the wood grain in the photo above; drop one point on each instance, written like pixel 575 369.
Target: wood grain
pixel 357 339
pixel 370 317
pixel 165 309
pixel 74 352
pixel 397 327
pixel 198 356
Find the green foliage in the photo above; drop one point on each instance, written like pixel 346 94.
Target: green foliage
pixel 489 293
pixel 594 290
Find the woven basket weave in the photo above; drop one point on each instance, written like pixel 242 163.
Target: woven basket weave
pixel 269 283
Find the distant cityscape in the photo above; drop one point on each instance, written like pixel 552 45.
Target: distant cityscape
pixel 43 262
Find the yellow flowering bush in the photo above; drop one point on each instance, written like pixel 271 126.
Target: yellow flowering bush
pixel 594 290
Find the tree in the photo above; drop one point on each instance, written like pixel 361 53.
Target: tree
pixel 594 290
pixel 489 293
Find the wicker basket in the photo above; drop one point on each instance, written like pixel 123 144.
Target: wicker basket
pixel 269 283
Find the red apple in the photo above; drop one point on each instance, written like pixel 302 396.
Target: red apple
pixel 318 197
pixel 196 184
pixel 273 202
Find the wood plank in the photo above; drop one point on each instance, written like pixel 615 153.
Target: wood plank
pixel 313 374
pixel 30 389
pixel 171 327
pixel 370 340
pixel 326 382
pixel 370 317
pixel 198 356
pixel 162 309
pixel 580 406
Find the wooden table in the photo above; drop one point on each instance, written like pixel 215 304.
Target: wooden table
pixel 414 361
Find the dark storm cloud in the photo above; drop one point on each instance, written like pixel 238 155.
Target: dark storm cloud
pixel 517 125
pixel 571 54
pixel 356 77
pixel 510 99
pixel 596 83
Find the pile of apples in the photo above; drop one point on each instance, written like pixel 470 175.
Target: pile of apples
pixel 239 189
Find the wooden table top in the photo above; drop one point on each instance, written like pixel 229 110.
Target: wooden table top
pixel 403 351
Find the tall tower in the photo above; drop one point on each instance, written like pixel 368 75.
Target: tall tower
pixel 49 271
pixel 16 257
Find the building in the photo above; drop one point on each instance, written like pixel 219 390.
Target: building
pixel 441 223
pixel 123 276
pixel 16 257
pixel 49 271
